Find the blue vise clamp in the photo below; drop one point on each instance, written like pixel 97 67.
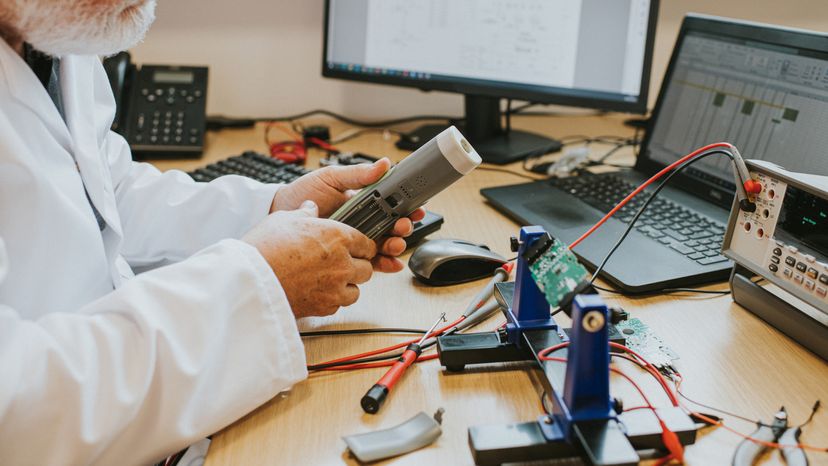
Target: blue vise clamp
pixel 584 420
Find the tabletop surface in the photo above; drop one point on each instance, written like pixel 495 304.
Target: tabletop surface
pixel 729 358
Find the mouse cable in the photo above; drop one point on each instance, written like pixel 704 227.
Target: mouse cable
pixel 359 331
pixel 646 204
pixel 664 291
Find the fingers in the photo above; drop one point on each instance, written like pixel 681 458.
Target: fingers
pixel 393 246
pixel 361 271
pixel 417 215
pixel 403 227
pixel 350 295
pixel 343 178
pixel 386 264
pixel 309 208
pixel 359 245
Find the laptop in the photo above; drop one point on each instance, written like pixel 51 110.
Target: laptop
pixel 761 87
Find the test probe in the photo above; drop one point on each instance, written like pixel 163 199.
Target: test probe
pixel 372 401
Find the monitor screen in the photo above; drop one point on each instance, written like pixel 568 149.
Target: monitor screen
pixel 591 53
pixel 768 99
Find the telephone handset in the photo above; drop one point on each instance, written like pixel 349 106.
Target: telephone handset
pixel 161 109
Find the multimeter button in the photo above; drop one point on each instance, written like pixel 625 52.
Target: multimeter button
pixel 801 267
pixel 773 268
pixel 170 100
pixel 153 139
pixel 812 273
pixel 798 278
pixel 793 249
pixel 183 93
pixel 197 93
pixel 180 115
pixel 823 279
pixel 193 140
pixel 145 91
pixel 165 139
pixel 139 138
pixel 809 285
pixel 151 98
pixel 179 123
pixel 190 99
pixel 178 140
pixel 166 131
pixel 790 261
pixel 159 92
pixel 787 273
pixel 774 259
pixel 171 90
pixel 777 252
pixel 154 130
pixel 194 131
pixel 179 131
pixel 810 258
pixel 821 292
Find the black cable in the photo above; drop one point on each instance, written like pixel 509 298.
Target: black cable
pixel 663 291
pixel 359 331
pixel 647 204
pixel 503 170
pixel 721 411
pixel 814 409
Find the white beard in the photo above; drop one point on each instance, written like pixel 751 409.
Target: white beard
pixel 81 27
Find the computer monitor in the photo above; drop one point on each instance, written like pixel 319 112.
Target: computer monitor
pixel 582 53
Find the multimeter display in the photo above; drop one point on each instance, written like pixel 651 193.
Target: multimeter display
pixel 804 220
pixel 173 77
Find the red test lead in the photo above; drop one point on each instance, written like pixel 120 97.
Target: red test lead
pixel 372 401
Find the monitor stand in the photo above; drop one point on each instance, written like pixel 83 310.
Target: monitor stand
pixel 484 129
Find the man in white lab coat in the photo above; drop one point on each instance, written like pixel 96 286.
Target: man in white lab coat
pixel 98 365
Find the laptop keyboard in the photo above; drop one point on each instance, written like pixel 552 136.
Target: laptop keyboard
pixel 696 237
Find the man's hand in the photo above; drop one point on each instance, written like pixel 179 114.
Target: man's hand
pixel 319 262
pixel 330 187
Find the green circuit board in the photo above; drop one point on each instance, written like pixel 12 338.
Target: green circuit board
pixel 557 271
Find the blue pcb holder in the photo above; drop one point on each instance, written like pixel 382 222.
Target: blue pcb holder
pixel 582 422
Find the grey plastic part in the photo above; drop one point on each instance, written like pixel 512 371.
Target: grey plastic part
pixel 413 434
pixel 407 186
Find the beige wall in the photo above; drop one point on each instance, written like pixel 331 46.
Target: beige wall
pixel 265 55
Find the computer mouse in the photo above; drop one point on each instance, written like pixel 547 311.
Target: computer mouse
pixel 442 262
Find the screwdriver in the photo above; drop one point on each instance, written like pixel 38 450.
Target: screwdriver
pixel 372 401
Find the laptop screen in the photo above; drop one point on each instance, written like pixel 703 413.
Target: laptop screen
pixel 770 100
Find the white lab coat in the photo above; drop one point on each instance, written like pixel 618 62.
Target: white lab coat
pixel 100 366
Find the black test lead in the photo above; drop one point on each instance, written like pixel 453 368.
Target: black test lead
pixel 372 401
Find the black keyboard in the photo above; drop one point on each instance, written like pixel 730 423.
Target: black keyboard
pixel 252 165
pixel 695 236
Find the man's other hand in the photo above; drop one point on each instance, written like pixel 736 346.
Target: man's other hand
pixel 330 187
pixel 319 262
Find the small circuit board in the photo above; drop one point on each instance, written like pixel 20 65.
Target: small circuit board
pixel 555 269
pixel 641 339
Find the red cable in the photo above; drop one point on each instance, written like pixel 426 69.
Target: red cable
pixel 654 178
pixel 371 365
pixel 391 348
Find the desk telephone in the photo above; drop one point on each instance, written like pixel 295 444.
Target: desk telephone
pixel 161 109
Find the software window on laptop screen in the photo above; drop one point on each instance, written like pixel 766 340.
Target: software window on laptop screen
pixel 770 101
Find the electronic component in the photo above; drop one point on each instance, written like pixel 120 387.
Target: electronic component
pixel 373 399
pixel 784 240
pixel 312 134
pixel 555 269
pixel 408 185
pixel 418 432
pixel 645 342
pixel 346 158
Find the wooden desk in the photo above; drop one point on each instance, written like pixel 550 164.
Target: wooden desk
pixel 730 358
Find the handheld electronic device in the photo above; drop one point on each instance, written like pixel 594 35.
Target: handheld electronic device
pixel 408 185
pixel 785 241
pixel 535 50
pixel 161 109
